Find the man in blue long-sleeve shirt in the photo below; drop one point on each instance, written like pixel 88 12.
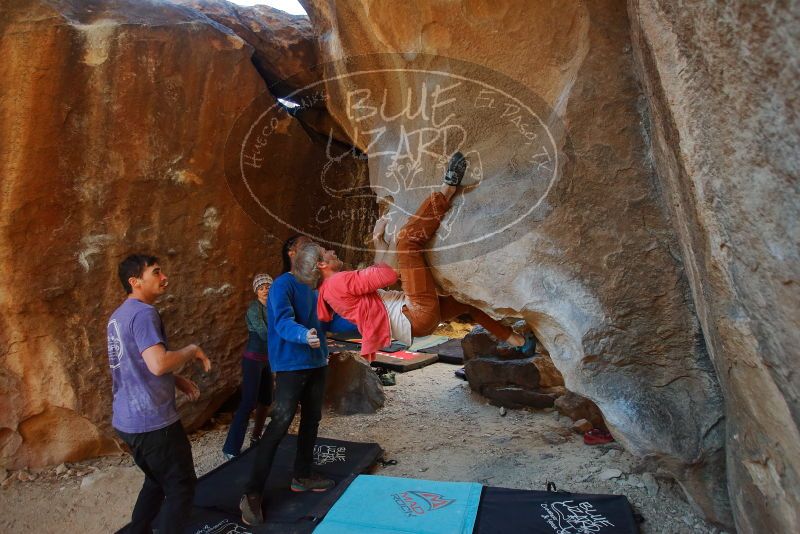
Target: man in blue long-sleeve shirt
pixel 298 354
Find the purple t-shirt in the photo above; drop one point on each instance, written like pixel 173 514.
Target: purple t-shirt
pixel 143 402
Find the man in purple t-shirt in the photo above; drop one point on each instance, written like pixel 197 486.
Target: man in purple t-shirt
pixel 144 413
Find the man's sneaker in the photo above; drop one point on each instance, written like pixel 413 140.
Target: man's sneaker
pixel 250 505
pixel 228 456
pixel 315 483
pixel 455 169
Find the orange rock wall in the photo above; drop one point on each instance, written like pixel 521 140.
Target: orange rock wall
pixel 113 119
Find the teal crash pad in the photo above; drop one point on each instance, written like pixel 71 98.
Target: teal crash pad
pixel 391 505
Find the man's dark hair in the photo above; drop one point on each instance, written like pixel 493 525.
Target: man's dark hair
pixel 287 245
pixel 134 266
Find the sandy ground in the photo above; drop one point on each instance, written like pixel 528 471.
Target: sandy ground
pixel 432 424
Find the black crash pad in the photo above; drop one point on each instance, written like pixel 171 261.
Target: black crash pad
pixel 543 512
pixel 216 501
pixel 449 352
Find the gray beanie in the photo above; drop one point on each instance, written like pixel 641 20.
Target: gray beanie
pixel 260 280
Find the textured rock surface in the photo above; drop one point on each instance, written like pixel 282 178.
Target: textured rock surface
pixel 507 377
pixel 593 267
pixel 353 387
pixel 576 407
pixel 113 117
pixel 485 370
pixel 549 377
pixel 479 342
pixel 284 53
pixel 511 383
pixel 283 45
pixel 582 426
pixel 721 81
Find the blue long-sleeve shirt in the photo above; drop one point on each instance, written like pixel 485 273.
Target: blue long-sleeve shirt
pixel 291 313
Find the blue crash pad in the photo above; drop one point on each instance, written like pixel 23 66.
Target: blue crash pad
pixel 391 505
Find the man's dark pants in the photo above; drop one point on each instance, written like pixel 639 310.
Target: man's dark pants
pixel 165 456
pixel 307 388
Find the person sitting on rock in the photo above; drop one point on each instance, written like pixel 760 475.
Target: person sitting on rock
pixel 415 311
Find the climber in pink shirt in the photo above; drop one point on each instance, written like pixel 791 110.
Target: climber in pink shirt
pixel 382 315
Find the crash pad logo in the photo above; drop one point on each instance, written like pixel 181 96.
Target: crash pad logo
pixel 379 130
pixel 224 526
pixel 328 454
pixel 116 350
pixel 570 517
pixel 416 503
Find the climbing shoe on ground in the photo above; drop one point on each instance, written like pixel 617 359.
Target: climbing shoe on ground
pixel 315 482
pixel 455 169
pixel 597 436
pixel 228 456
pixel 461 373
pixel 250 505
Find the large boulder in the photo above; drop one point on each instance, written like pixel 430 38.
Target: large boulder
pixel 114 117
pixel 566 227
pixel 721 81
pixel 110 148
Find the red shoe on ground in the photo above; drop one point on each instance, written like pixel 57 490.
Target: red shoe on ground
pixel 597 436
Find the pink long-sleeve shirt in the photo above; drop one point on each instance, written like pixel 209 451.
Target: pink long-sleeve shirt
pixel 353 295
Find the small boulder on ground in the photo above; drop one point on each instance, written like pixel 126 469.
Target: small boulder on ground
pixel 25 476
pixel 650 484
pixel 352 386
pixel 577 407
pixel 582 425
pixel 608 474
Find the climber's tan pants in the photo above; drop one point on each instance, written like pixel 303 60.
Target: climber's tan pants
pixel 425 309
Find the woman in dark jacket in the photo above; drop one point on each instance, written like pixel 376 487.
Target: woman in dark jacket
pixel 256 374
